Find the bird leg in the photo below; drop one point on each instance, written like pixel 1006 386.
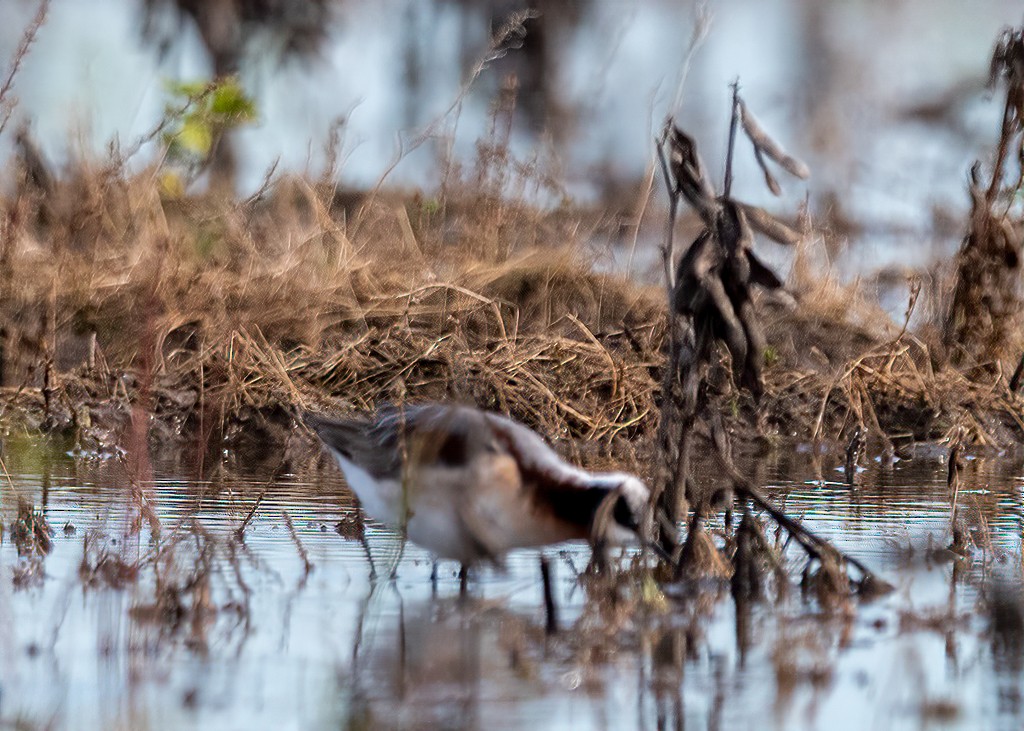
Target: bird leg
pixel 550 608
pixel 369 556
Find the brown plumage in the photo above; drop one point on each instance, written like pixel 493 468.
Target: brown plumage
pixel 471 485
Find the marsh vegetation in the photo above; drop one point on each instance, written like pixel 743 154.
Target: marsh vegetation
pixel 176 549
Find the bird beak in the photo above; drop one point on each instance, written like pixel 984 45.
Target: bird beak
pixel 648 540
pixel 602 517
pixel 660 552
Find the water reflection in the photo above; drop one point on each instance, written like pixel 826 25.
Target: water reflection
pixel 277 624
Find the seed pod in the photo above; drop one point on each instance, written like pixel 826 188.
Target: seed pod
pixel 763 143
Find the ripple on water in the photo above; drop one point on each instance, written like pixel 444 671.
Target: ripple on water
pixel 288 633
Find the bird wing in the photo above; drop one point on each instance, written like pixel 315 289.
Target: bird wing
pixel 504 506
pixel 486 482
pixel 570 493
pixel 536 459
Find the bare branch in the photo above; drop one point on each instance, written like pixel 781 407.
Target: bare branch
pixel 28 37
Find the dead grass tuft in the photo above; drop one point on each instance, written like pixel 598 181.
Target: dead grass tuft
pixel 981 324
pixel 31 533
pixel 101 567
pixel 218 318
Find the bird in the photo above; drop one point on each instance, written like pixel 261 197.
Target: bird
pixel 471 485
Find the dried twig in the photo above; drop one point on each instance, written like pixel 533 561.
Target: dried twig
pixel 814 545
pixel 303 554
pixel 240 531
pixel 28 37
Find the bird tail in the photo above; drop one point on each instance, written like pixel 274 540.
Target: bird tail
pixel 347 437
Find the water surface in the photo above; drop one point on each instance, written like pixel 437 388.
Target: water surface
pixel 273 645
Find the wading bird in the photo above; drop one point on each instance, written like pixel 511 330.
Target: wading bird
pixel 471 485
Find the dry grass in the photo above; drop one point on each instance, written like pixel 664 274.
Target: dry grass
pixel 286 300
pixel 220 317
pixel 982 327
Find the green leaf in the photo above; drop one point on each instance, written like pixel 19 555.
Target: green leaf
pixel 231 101
pixel 210 110
pixel 195 136
pixel 172 185
pixel 185 89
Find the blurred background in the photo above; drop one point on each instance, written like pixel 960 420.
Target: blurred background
pixel 885 100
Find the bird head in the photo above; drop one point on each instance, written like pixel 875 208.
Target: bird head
pixel 625 515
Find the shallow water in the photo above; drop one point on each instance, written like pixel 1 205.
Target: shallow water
pixel 282 648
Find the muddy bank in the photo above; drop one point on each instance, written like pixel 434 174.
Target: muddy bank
pixel 212 323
